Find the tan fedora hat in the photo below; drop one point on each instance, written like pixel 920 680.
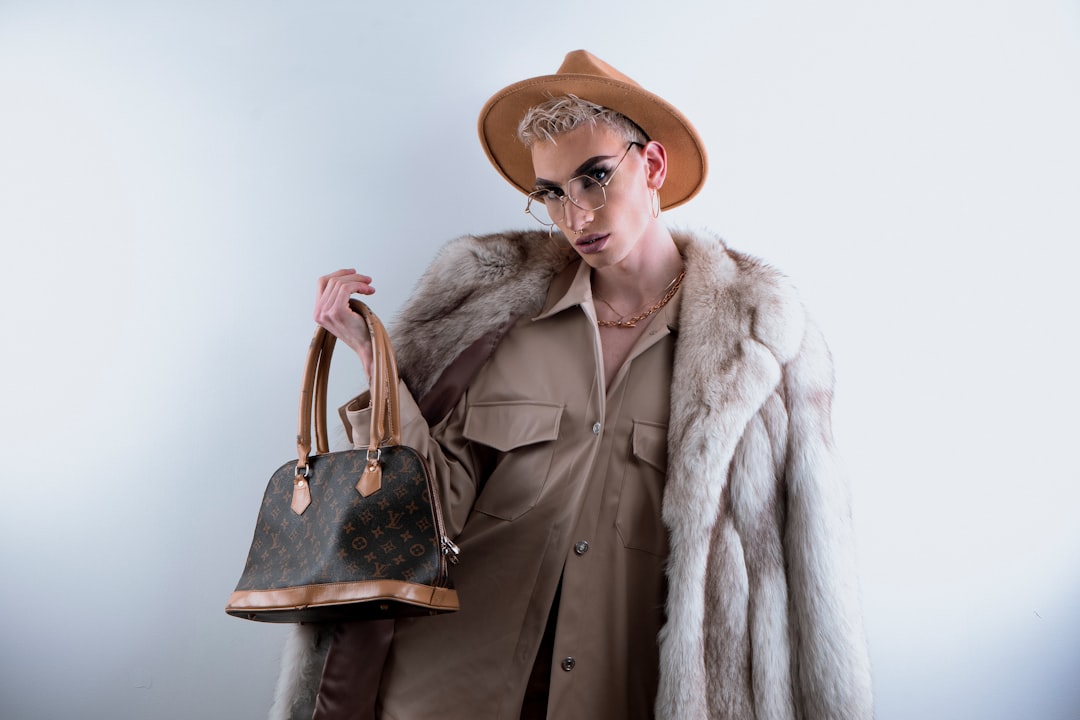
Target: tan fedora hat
pixel 590 78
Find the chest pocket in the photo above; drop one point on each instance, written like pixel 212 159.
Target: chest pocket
pixel 638 521
pixel 524 434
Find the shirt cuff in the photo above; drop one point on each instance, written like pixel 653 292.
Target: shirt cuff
pixel 356 416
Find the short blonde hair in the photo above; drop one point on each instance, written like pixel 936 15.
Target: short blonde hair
pixel 561 114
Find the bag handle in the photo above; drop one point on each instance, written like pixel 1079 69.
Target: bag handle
pixel 385 406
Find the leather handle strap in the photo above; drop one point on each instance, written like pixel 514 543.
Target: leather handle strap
pixel 303 433
pixel 377 385
pixel 301 498
pixel 385 405
pixel 322 374
pixel 313 397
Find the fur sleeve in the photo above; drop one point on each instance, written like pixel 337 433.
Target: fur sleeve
pixel 831 670
pixel 301 667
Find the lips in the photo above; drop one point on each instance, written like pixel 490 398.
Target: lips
pixel 591 243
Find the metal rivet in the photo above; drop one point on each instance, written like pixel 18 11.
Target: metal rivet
pixel 568 664
pixel 581 547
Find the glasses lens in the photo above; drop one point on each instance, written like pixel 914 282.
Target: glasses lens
pixel 545 213
pixel 586 193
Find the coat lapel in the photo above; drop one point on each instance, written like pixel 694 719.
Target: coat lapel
pixel 727 364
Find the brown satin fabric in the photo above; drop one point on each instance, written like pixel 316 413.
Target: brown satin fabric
pixel 455 379
pixel 354 665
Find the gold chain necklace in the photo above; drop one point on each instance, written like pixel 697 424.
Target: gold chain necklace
pixel 672 288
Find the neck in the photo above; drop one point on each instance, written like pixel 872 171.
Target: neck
pixel 641 277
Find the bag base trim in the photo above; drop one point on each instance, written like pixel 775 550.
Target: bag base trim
pixel 335 602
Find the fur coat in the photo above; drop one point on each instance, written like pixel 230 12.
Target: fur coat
pixel 763 617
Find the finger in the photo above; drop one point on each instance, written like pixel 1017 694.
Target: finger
pixel 343 281
pixel 340 290
pixel 332 309
pixel 325 279
pixel 333 287
pixel 325 296
pixel 356 283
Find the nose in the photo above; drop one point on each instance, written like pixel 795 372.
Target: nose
pixel 571 215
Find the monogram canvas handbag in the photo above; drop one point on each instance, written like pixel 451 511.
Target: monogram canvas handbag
pixel 350 535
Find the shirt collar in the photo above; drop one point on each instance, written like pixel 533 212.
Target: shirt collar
pixel 573 287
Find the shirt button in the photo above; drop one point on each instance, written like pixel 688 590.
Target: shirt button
pixel 581 547
pixel 568 664
pixel 596 429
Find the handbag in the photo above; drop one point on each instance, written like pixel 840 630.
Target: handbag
pixel 351 535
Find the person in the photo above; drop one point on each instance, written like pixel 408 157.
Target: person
pixel 641 476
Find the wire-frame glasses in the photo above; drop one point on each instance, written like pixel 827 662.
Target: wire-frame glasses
pixel 588 192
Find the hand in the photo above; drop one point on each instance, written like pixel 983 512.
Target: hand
pixel 332 311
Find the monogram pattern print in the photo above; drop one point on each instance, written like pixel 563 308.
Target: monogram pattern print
pixel 342 536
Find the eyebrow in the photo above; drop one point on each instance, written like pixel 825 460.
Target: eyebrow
pixel 583 168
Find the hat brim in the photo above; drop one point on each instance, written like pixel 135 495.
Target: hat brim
pixel 687 163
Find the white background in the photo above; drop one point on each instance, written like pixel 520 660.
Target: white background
pixel 174 176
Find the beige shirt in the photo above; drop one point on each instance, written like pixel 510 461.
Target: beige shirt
pixel 546 477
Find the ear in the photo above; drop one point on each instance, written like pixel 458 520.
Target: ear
pixel 655 164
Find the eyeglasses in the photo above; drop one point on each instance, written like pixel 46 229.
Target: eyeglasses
pixel 588 192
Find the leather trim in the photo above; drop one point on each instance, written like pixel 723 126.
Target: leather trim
pixel 244 603
pixel 336 593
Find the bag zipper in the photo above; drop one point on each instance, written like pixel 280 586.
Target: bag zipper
pixel 449 552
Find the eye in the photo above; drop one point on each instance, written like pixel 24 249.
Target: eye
pixel 596 176
pixel 545 195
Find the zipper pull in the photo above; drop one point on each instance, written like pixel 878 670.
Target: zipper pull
pixel 450 550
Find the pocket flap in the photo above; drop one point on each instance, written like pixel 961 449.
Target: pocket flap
pixel 650 444
pixel 508 425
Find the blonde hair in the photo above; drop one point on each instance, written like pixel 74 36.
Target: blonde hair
pixel 559 115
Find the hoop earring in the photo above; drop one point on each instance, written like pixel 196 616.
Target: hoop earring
pixel 655 203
